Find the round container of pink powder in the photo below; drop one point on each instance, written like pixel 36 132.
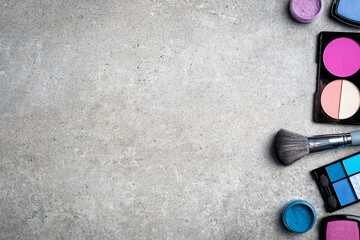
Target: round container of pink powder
pixel 306 11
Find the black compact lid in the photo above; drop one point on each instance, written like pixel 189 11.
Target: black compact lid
pixel 335 14
pixel 324 222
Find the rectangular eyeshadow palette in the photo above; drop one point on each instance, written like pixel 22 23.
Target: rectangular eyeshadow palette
pixel 339 182
pixel 337 95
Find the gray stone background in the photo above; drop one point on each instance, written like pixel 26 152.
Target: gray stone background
pixel 155 119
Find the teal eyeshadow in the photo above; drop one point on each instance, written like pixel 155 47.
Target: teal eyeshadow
pixel 352 164
pixel 344 192
pixel 335 171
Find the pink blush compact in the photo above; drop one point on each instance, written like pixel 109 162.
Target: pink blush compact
pixel 340 227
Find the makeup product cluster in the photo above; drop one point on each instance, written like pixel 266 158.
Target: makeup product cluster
pixel 336 101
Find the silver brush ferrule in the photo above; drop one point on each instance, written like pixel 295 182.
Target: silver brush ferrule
pixel 330 141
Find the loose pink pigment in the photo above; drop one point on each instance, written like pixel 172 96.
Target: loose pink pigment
pixel 307 8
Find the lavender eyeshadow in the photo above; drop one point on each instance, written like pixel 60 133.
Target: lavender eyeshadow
pixel 307 8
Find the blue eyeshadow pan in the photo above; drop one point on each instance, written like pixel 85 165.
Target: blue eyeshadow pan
pixel 352 164
pixel 346 11
pixel 344 192
pixel 349 9
pixel 335 171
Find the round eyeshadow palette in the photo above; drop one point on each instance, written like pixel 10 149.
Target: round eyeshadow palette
pixel 337 96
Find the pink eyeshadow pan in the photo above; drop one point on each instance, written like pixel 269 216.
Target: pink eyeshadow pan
pixel 342 230
pixel 330 98
pixel 342 57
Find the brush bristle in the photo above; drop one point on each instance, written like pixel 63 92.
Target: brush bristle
pixel 290 146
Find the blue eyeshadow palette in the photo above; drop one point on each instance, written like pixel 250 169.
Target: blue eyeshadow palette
pixel 347 11
pixel 339 182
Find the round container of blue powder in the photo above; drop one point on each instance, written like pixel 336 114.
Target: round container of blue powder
pixel 299 216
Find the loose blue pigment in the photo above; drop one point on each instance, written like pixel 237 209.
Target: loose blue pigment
pixel 299 218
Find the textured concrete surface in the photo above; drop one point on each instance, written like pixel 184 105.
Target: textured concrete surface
pixel 155 119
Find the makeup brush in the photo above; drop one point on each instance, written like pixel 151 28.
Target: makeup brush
pixel 290 146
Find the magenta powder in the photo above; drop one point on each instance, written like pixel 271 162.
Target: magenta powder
pixel 342 57
pixel 342 230
pixel 306 8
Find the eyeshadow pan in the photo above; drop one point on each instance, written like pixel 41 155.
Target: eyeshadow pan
pixel 352 164
pixel 355 181
pixel 349 101
pixel 349 9
pixel 335 171
pixel 330 98
pixel 342 230
pixel 342 57
pixel 344 192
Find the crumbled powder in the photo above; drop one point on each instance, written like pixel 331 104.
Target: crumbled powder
pixel 299 217
pixel 307 8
